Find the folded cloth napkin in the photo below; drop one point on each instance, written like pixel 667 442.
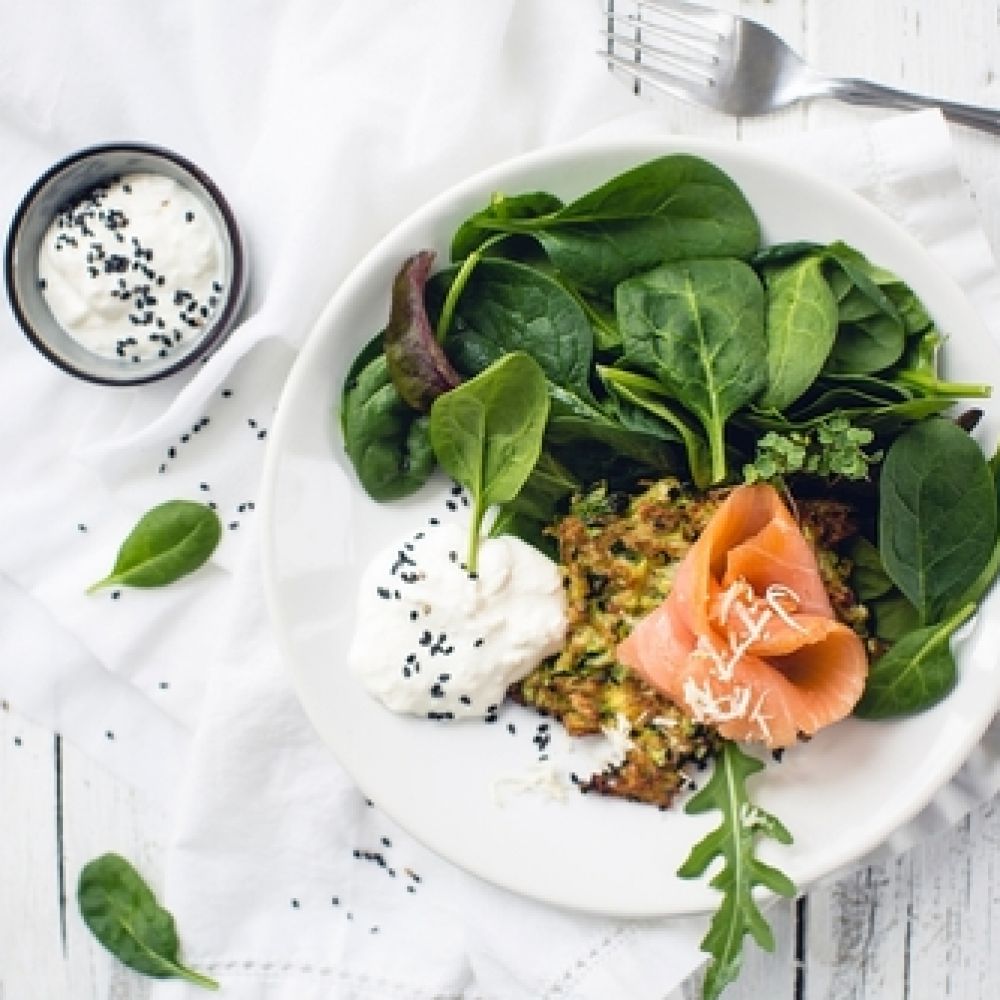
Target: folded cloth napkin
pixel 325 124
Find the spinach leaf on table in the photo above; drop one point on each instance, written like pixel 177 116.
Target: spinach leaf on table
pixel 167 542
pixel 698 327
pixel 487 434
pixel 670 208
pixel 937 515
pixel 387 441
pixel 801 323
pixel 123 914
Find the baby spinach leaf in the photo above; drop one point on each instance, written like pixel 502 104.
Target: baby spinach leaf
pixel 537 505
pixel 937 514
pixel 387 441
pixel 549 483
pixel 487 434
pixel 475 230
pixel 893 616
pixel 167 542
pixel 916 673
pixel 801 324
pixel 860 275
pixel 123 914
pixel 417 365
pixel 867 345
pixel 917 371
pixel 513 307
pixel 782 254
pixel 698 327
pixel 734 841
pixel 589 440
pixel 670 208
pixel 869 579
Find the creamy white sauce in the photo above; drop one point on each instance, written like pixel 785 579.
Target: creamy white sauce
pixel 134 270
pixel 432 639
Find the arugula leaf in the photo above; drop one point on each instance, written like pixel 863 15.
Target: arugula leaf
pixel 123 914
pixel 168 542
pixel 734 841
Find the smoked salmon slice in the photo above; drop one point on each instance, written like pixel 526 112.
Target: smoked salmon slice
pixel 747 640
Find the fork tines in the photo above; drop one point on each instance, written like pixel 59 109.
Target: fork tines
pixel 667 47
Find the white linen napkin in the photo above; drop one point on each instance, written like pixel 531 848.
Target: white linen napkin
pixel 325 123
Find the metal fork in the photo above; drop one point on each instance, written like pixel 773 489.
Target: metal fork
pixel 738 66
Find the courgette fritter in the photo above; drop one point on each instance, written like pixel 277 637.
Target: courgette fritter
pixel 618 556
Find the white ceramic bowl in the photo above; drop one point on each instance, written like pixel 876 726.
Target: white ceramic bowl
pixel 62 185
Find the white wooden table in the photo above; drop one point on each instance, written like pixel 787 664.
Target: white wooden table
pixel 919 927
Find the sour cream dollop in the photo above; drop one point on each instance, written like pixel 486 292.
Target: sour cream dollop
pixel 134 269
pixel 434 640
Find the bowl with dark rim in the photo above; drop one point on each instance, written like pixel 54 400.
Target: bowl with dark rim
pixel 61 190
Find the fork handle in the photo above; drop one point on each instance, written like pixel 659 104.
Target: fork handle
pixel 878 95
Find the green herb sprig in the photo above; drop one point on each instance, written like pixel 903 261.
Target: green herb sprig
pixel 833 448
pixel 123 914
pixel 734 841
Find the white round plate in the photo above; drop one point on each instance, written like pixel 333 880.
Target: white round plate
pixel 840 795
